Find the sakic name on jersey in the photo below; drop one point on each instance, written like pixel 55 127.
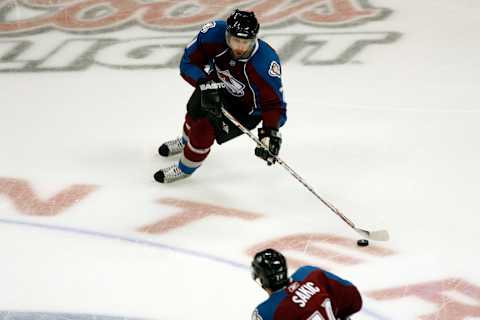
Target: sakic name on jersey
pixel 302 294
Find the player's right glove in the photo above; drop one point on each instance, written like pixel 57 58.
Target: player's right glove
pixel 211 100
pixel 272 139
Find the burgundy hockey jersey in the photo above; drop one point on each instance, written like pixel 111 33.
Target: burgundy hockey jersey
pixel 313 294
pixel 253 84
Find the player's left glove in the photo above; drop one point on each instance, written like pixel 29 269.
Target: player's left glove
pixel 211 100
pixel 272 139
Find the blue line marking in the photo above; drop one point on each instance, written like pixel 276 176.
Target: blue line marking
pixel 126 239
pixel 146 243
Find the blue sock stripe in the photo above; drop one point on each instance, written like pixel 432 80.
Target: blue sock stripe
pixel 186 169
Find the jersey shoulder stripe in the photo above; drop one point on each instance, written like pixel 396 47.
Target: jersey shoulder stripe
pixel 303 272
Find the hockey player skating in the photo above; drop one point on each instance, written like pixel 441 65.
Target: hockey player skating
pixel 310 293
pixel 230 68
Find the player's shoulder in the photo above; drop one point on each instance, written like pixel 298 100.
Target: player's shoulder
pixel 265 51
pixel 266 60
pixel 308 271
pixel 213 31
pixel 303 272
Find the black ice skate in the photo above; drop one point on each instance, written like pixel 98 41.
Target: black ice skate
pixel 170 174
pixel 171 147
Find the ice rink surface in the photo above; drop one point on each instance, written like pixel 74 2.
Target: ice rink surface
pixel 384 122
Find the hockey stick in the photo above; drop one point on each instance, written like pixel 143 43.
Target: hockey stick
pixel 379 235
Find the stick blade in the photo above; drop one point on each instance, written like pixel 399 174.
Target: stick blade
pixel 378 235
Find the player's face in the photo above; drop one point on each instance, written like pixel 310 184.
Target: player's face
pixel 240 47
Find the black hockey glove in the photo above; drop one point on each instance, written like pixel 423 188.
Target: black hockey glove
pixel 211 100
pixel 272 139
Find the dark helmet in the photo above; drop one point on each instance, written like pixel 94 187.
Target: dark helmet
pixel 270 267
pixel 243 24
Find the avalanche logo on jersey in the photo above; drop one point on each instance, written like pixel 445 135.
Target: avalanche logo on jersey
pixel 274 69
pixel 234 87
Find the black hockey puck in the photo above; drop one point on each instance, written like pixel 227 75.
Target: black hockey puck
pixel 362 243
